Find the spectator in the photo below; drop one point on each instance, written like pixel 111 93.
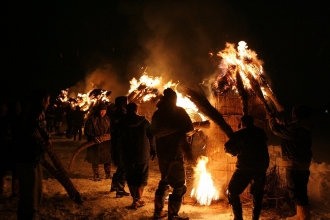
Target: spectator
pixel 97 125
pixel 137 147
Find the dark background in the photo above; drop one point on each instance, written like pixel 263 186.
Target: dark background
pixel 71 44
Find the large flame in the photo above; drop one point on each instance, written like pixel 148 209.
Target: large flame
pixel 84 100
pixel 205 192
pixel 147 87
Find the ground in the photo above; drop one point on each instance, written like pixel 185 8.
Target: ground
pixel 99 203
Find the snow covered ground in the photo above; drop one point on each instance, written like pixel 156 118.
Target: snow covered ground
pixel 99 203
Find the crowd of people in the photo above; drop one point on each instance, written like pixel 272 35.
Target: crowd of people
pixel 25 137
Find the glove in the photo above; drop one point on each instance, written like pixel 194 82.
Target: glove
pixel 97 140
pixel 153 154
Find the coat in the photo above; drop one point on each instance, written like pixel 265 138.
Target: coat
pixel 96 126
pixel 175 118
pixel 135 138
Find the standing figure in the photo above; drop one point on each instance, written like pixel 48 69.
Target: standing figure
pixel 170 125
pixel 69 120
pixel 50 115
pixel 32 139
pixel 137 147
pixel 97 125
pixel 119 177
pixel 250 147
pixel 58 119
pixel 296 143
pixel 78 122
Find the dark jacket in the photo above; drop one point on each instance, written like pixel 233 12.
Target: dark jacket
pixel 96 126
pixel 136 140
pixel 174 122
pixel 78 118
pixel 296 140
pixel 253 150
pixel 32 135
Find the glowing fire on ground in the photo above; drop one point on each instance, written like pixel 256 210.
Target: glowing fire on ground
pixel 205 192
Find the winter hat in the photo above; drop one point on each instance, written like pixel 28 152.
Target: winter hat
pixel 121 101
pixel 132 107
pixel 102 106
pixel 170 95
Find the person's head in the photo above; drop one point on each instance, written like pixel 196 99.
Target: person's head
pixel 102 109
pixel 169 96
pixel 121 101
pixel 40 97
pixel 132 108
pixel 78 108
pixel 247 120
pixel 301 112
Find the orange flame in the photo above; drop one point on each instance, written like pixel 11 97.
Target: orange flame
pixel 205 191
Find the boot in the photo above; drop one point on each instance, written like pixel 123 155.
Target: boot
pixel 14 188
pixel 303 212
pixel 159 205
pixel 107 170
pixel 174 205
pixel 238 213
pixel 121 193
pixel 96 174
pixel 257 201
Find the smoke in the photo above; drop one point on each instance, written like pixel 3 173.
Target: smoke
pixel 176 37
pixel 168 39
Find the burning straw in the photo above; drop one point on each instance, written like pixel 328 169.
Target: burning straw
pixel 198 97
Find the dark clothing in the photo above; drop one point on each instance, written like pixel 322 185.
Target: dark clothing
pixel 136 139
pixel 119 177
pixel 69 121
pixel 253 150
pixel 97 126
pixel 50 116
pixel 32 138
pixel 137 174
pixel 136 143
pixel 296 143
pixel 169 147
pixel 251 166
pixel 78 123
pixel 170 124
pixel 238 183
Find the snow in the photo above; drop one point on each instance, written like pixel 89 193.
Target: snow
pixel 99 203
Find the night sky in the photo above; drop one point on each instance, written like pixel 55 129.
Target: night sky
pixel 61 44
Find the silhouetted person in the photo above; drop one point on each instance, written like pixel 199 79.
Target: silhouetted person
pixel 137 147
pixel 78 122
pixel 250 147
pixel 119 177
pixel 69 120
pixel 170 125
pixel 296 143
pixel 33 138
